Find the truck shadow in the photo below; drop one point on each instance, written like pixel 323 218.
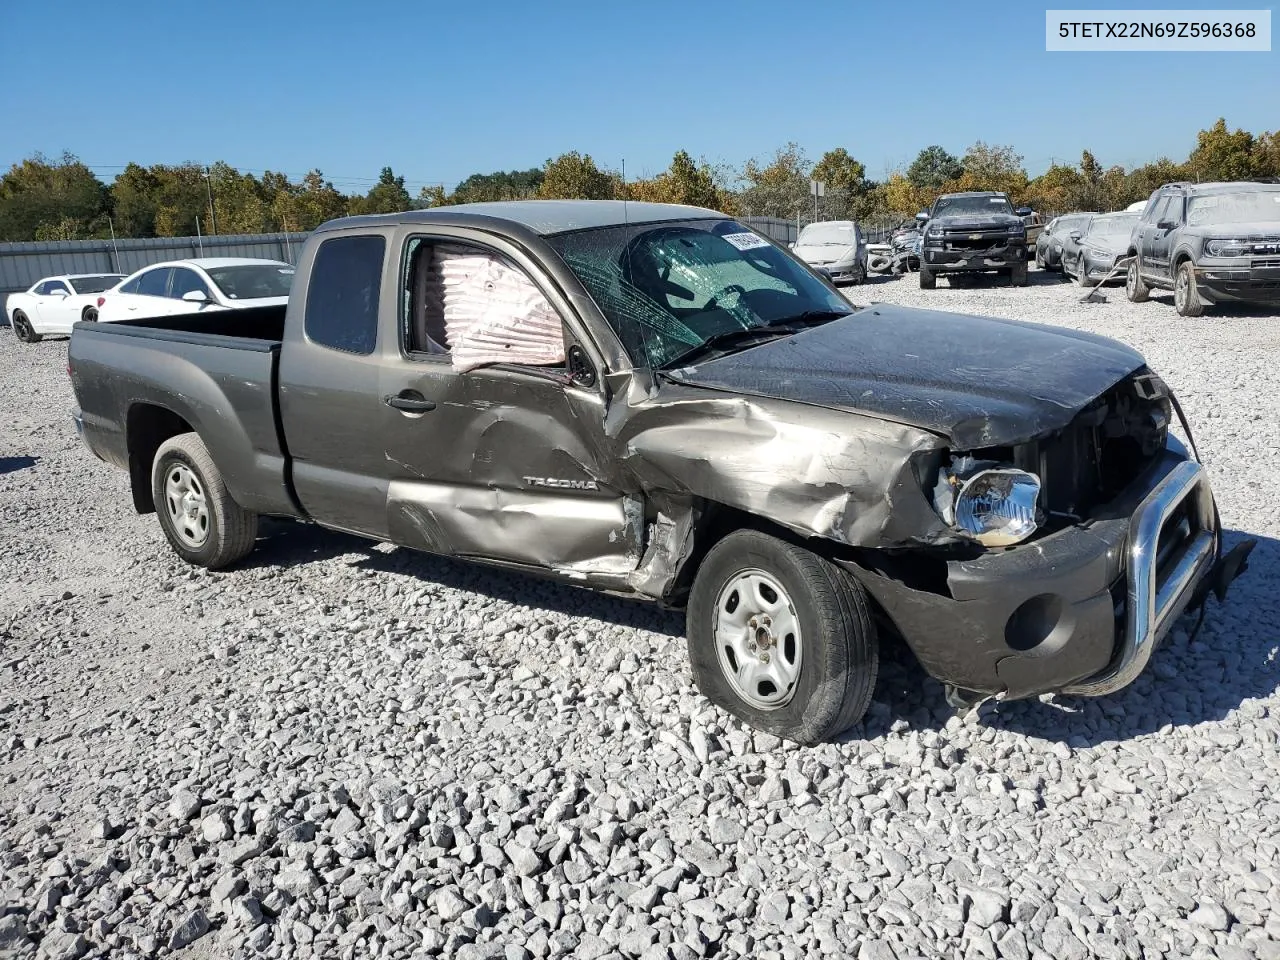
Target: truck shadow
pixel 1233 659
pixel 14 464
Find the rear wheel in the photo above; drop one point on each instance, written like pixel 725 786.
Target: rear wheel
pixel 781 638
pixel 1134 287
pixel 204 525
pixel 1186 296
pixel 89 314
pixel 928 280
pixel 22 328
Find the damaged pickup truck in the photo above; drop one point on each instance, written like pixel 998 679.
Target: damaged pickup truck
pixel 657 402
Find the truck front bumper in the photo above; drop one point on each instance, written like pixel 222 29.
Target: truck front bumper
pixel 1002 257
pixel 1078 611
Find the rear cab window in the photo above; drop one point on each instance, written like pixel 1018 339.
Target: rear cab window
pixel 342 294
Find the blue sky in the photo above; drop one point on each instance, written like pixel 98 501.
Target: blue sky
pixel 440 90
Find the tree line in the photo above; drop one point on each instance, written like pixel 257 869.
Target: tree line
pixel 62 199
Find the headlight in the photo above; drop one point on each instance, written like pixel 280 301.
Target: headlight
pixel 993 503
pixel 1226 248
pixel 1017 230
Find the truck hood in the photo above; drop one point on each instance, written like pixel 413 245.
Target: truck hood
pixel 1235 231
pixel 978 381
pixel 975 221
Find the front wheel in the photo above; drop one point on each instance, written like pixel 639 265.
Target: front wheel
pixel 781 638
pixel 1082 273
pixel 928 280
pixel 22 328
pixel 1018 275
pixel 1134 287
pixel 1186 296
pixel 203 524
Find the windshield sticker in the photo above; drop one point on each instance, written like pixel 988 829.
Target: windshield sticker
pixel 995 200
pixel 746 241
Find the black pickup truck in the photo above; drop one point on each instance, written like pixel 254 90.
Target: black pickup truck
pixel 975 232
pixel 657 402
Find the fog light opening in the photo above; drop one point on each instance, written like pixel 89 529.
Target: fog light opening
pixel 1039 625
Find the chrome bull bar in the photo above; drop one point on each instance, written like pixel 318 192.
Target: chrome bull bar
pixel 1157 595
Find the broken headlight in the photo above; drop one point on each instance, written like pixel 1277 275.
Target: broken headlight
pixel 993 503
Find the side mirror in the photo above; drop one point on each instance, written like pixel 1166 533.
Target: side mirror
pixel 58 293
pixel 1075 234
pixel 921 217
pixel 1024 211
pixel 195 296
pixel 791 245
pixel 1165 225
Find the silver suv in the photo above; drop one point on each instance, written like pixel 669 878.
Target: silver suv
pixel 1209 243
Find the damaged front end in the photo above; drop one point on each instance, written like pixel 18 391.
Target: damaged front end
pixel 1126 540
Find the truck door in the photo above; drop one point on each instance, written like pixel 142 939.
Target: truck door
pixel 503 461
pixel 1158 238
pixel 330 405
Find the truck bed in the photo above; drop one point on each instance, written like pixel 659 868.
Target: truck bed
pixel 215 371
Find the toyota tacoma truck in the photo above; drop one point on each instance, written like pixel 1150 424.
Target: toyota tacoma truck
pixel 657 402
pixel 974 232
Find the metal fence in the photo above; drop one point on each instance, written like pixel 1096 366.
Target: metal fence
pixel 22 264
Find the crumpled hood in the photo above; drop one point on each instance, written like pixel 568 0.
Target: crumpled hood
pixel 825 253
pixel 979 381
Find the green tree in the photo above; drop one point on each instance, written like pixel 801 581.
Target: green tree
pixel 1141 182
pixel 933 167
pixel 575 176
pixel 387 196
pixel 993 167
pixel 134 199
pixel 309 204
pixel 685 182
pixel 1222 155
pixel 182 199
pixel 846 185
pixel 241 203
pixel 64 195
pixel 1266 155
pixel 1058 190
pixel 779 188
pixel 432 196
pixel 502 185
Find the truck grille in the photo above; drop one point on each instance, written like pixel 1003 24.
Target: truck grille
pixel 974 239
pixel 1102 451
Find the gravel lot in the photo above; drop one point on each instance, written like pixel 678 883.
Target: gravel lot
pixel 342 749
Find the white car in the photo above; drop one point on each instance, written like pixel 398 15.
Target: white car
pixel 836 248
pixel 190 286
pixel 53 304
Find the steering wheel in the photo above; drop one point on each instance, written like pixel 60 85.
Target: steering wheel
pixel 732 288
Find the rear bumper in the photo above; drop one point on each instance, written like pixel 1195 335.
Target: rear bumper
pixel 1080 610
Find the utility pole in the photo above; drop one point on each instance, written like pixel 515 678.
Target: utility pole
pixel 208 182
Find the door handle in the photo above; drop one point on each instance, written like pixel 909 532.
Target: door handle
pixel 410 401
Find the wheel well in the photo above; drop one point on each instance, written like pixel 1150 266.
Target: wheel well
pixel 1180 258
pixel 146 427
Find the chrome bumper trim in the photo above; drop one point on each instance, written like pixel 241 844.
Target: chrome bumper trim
pixel 1152 607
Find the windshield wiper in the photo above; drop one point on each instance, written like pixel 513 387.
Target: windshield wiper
pixel 730 338
pixel 763 333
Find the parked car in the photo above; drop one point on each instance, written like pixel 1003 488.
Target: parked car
pixel 835 246
pixel 1035 226
pixel 973 232
pixel 191 286
pixel 655 401
pixel 1137 206
pixel 53 304
pixel 1048 251
pixel 1209 242
pixel 1091 253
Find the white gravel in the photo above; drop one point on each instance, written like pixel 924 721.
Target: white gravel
pixel 345 750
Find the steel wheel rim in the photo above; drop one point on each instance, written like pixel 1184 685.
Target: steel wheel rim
pixel 187 505
pixel 758 639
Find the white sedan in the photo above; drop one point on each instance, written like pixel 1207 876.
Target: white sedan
pixel 190 286
pixel 53 304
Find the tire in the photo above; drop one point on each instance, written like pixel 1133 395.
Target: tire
pixel 829 653
pixel 880 264
pixel 1082 273
pixel 1186 296
pixel 23 330
pixel 1018 275
pixel 1134 287
pixel 204 525
pixel 928 279
pixel 1040 258
pixel 89 314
